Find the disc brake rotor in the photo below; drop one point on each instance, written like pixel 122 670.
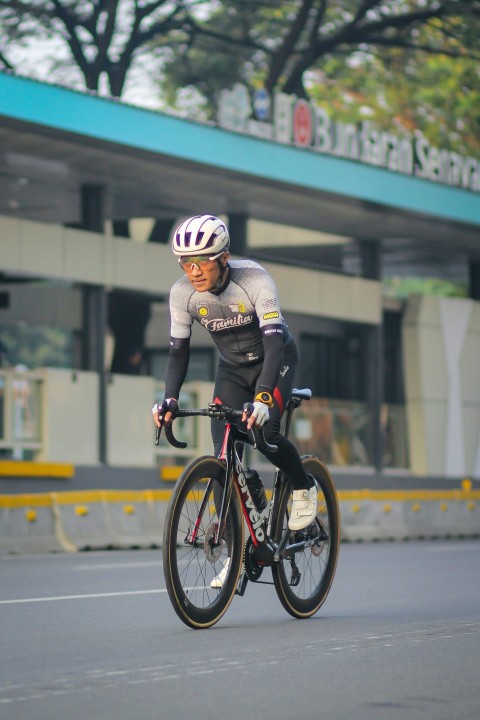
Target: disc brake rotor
pixel 212 551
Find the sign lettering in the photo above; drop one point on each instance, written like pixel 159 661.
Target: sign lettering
pixel 292 121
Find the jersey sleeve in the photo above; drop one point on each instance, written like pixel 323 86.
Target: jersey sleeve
pixel 267 304
pixel 180 319
pixel 180 332
pixel 267 307
pixel 177 366
pixel 272 338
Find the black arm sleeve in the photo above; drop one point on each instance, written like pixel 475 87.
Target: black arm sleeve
pixel 177 366
pixel 272 337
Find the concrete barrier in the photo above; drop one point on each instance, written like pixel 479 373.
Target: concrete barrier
pixel 27 524
pixel 134 518
pixel 103 519
pixel 82 520
pixel 370 515
pixel 157 511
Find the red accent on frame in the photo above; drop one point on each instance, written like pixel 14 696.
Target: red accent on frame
pixel 223 451
pixel 279 399
pixel 250 526
pixel 246 515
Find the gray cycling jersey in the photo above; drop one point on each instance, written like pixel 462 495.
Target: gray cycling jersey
pixel 246 308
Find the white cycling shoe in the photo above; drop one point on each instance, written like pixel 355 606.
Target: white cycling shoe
pixel 218 580
pixel 304 508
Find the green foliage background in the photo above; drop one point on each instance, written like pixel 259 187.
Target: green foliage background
pixel 37 346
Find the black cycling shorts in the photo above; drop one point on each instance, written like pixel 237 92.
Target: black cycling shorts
pixel 236 384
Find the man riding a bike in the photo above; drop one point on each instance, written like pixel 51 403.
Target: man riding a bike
pixel 237 302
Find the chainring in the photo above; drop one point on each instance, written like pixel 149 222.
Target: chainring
pixel 253 570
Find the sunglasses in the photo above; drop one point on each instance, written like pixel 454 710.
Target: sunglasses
pixel 198 261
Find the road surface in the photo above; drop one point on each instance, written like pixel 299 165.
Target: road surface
pixel 92 635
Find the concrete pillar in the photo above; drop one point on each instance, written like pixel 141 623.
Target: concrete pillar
pixel 474 279
pixel 375 393
pixel 94 302
pixel 370 259
pixel 162 230
pixel 371 266
pixel 237 228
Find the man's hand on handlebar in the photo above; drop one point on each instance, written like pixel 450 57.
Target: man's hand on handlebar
pixel 255 414
pixel 165 413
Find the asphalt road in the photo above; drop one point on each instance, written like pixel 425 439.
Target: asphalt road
pixel 93 635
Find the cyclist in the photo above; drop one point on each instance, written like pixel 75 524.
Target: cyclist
pixel 237 302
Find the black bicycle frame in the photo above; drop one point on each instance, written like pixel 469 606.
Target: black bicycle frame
pixel 234 469
pixel 267 550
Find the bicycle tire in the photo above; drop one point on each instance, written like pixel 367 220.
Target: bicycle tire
pixel 189 569
pixel 317 564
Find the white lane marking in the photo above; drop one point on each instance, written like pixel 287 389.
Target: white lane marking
pixel 121 566
pixel 81 597
pixel 20 601
pixel 445 547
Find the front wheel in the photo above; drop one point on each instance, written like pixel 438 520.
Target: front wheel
pixel 303 580
pixel 191 557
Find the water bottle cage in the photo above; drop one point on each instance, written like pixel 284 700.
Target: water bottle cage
pixel 257 491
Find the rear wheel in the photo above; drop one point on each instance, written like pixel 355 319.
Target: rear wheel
pixel 303 580
pixel 191 559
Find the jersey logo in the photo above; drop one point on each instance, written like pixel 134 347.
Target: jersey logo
pixel 270 303
pixel 238 307
pixel 271 315
pixel 218 324
pixel 203 311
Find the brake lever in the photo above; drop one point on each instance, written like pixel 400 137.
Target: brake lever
pixel 257 434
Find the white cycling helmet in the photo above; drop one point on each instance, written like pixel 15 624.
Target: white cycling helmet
pixel 201 235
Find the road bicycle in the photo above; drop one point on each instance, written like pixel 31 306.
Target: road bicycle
pixel 210 508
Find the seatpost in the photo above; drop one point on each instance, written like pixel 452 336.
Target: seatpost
pixel 288 420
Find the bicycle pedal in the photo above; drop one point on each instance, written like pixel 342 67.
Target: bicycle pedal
pixel 295 578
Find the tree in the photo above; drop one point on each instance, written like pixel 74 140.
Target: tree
pixel 101 37
pixel 282 44
pixel 437 95
pixel 277 43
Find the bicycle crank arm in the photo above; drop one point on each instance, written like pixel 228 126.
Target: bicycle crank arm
pixel 242 584
pixel 281 547
pixel 290 550
pixel 285 551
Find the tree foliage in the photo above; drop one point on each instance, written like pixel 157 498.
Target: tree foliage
pixel 283 42
pixel 101 37
pixel 437 95
pixel 277 42
pixel 411 63
pixel 404 65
